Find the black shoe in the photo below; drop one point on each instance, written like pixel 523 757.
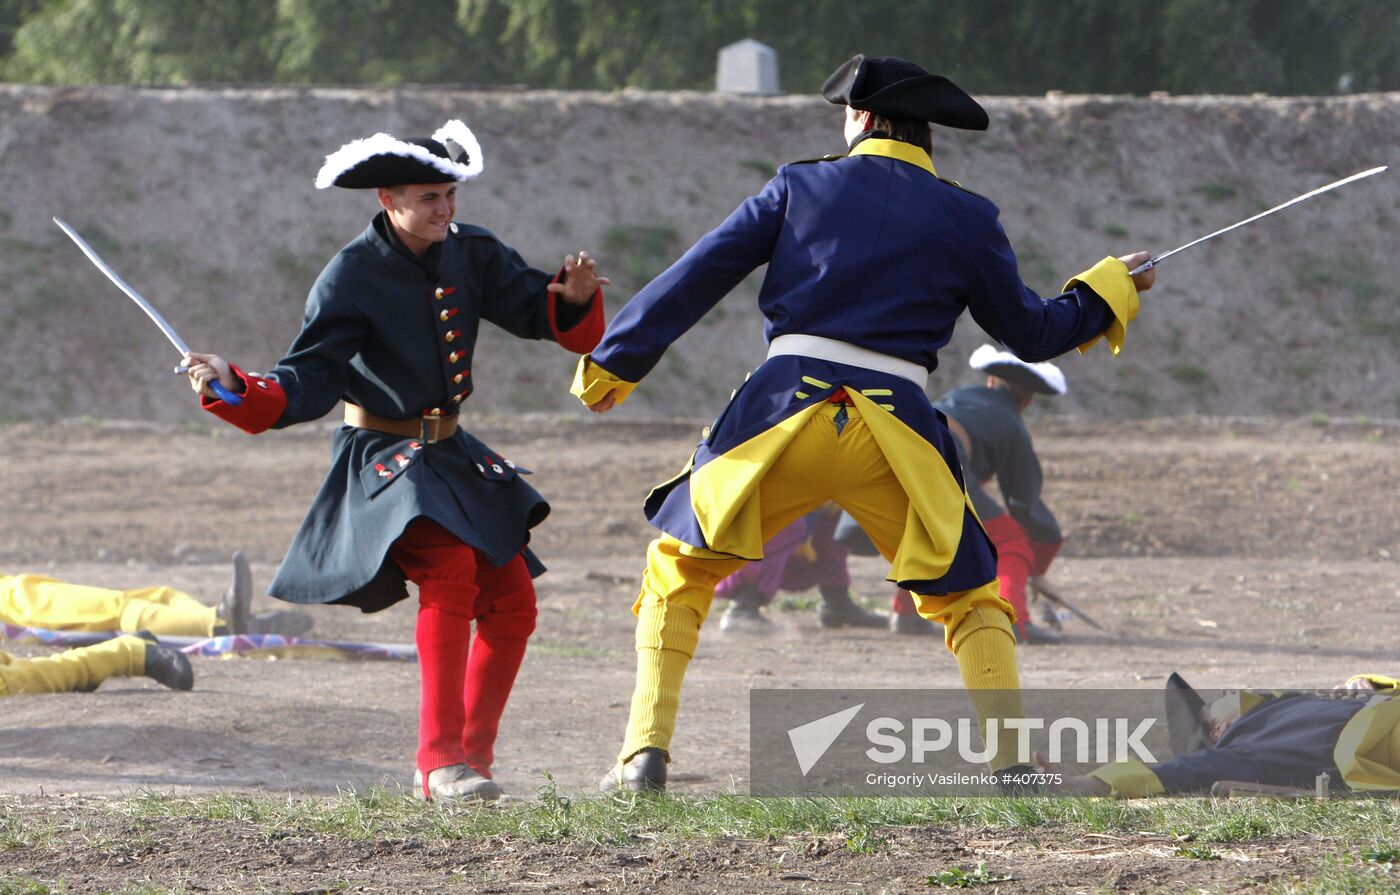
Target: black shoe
pixel 643 772
pixel 235 608
pixel 746 617
pixel 838 610
pixel 165 665
pixel 281 621
pixel 1050 616
pixel 1028 633
pixel 914 625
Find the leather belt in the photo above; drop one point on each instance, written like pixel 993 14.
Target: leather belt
pixel 430 429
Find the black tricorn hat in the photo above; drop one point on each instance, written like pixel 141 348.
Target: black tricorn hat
pixel 451 154
pixel 1186 731
pixel 897 88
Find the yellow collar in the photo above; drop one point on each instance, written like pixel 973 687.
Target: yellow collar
pixel 895 149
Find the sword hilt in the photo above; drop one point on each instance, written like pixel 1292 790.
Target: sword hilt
pixel 1144 267
pixel 224 394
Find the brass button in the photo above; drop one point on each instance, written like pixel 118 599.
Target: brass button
pixel 453 227
pixel 454 357
pixel 451 336
pixel 458 378
pixel 443 316
pixel 438 293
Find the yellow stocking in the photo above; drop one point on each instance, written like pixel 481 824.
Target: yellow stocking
pixel 977 626
pixel 79 669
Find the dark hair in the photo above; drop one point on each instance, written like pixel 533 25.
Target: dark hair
pixel 905 130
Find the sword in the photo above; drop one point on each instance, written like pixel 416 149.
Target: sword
pixel 227 396
pixel 1048 593
pixel 1152 262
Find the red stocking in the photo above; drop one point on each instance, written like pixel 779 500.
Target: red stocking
pixel 504 622
pixel 902 603
pixel 1014 561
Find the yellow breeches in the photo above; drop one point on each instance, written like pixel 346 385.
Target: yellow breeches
pixel 78 669
pixel 34 601
pixel 820 464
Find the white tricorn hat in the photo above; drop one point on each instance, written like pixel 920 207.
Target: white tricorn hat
pixel 1043 378
pixel 451 154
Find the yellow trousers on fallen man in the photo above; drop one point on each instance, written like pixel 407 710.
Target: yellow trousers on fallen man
pixel 77 669
pixel 821 463
pixel 34 601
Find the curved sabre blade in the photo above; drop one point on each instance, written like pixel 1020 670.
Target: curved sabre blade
pixel 1151 263
pixel 169 331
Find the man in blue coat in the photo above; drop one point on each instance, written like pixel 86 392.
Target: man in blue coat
pixel 871 259
pixel 390 328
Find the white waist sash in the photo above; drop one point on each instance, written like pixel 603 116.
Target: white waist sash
pixel 839 352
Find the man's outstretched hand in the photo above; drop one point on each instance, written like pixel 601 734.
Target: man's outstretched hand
pixel 580 281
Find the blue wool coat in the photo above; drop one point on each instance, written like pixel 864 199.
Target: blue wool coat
pixel 396 335
pixel 874 250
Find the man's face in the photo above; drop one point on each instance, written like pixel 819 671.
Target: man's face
pixel 420 212
pixel 1221 713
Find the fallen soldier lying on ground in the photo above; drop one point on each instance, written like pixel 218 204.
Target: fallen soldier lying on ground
pixel 36 601
pixel 1277 739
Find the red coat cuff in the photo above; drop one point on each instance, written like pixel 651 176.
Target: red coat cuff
pixel 1042 554
pixel 263 404
pixel 583 334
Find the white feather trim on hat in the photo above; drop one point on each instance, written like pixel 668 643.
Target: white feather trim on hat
pixel 458 138
pixel 358 151
pixel 990 356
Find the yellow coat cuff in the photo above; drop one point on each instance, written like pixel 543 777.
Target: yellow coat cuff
pixel 1379 681
pixel 592 383
pixel 1129 779
pixel 1110 281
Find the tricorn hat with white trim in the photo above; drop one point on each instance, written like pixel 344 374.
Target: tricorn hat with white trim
pixel 1043 378
pixel 451 154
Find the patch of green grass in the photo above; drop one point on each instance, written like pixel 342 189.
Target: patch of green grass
pixel 1117 231
pixel 804 602
pixel 760 166
pixel 1339 876
pixel 1145 202
pixel 957 878
pixel 1194 377
pixel 641 251
pixel 1035 266
pixel 296 269
pixel 1319 420
pixel 1215 191
pixel 386 813
pixel 1198 852
pixel 1371 308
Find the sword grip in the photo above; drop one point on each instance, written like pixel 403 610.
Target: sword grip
pixel 224 394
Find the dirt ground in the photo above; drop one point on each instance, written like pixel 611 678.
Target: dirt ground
pixel 1238 552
